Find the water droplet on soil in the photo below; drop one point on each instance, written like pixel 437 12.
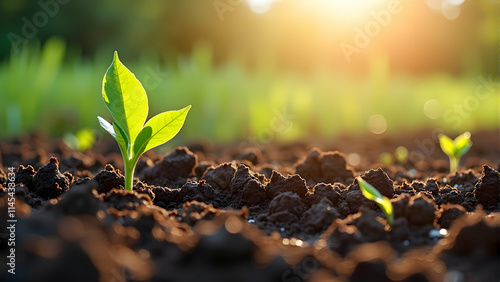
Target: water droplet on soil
pixel 296 242
pixel 436 234
pixel 454 276
pixel 443 232
pixel 282 229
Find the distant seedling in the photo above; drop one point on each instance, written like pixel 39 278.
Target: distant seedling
pixel 373 194
pixel 127 101
pixel 401 154
pixel 386 158
pixel 83 140
pixel 455 149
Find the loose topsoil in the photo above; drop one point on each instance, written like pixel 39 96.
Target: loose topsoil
pixel 289 212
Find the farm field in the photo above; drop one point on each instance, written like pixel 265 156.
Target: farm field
pixel 249 140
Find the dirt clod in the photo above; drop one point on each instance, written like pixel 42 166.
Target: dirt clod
pixel 487 190
pixel 328 191
pixel 380 181
pixel 220 177
pixel 448 213
pixel 241 178
pixel 49 182
pixel 192 191
pixel 172 170
pixel 328 167
pixel 254 193
pixel 287 207
pixel 108 179
pixel 279 184
pixel 421 210
pixel 317 218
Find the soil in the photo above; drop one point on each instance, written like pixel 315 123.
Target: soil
pixel 279 212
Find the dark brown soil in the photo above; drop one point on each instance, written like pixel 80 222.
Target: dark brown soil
pixel 277 213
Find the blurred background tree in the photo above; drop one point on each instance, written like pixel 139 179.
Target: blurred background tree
pixel 292 33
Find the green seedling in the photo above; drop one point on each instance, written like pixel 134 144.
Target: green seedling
pixel 127 101
pixel 401 154
pixel 83 140
pixel 373 194
pixel 455 149
pixel 385 158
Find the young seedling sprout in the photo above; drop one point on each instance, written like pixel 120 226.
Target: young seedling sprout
pixel 83 140
pixel 373 194
pixel 401 154
pixel 127 101
pixel 455 149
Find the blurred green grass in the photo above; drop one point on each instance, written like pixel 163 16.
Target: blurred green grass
pixel 55 91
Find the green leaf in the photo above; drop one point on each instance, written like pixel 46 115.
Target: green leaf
pixel 462 144
pixel 160 129
pixel 107 126
pixel 368 190
pixel 125 98
pixel 373 194
pixel 462 140
pixel 122 140
pixel 386 206
pixel 447 145
pixel 462 151
pixel 117 133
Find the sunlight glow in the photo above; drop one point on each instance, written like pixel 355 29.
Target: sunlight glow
pixel 260 6
pixel 348 6
pixel 449 8
pixel 349 10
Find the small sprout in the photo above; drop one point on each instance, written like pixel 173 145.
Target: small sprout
pixel 455 149
pixel 401 154
pixel 127 101
pixel 373 194
pixel 81 141
pixel 386 158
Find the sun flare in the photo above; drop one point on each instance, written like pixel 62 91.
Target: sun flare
pixel 346 10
